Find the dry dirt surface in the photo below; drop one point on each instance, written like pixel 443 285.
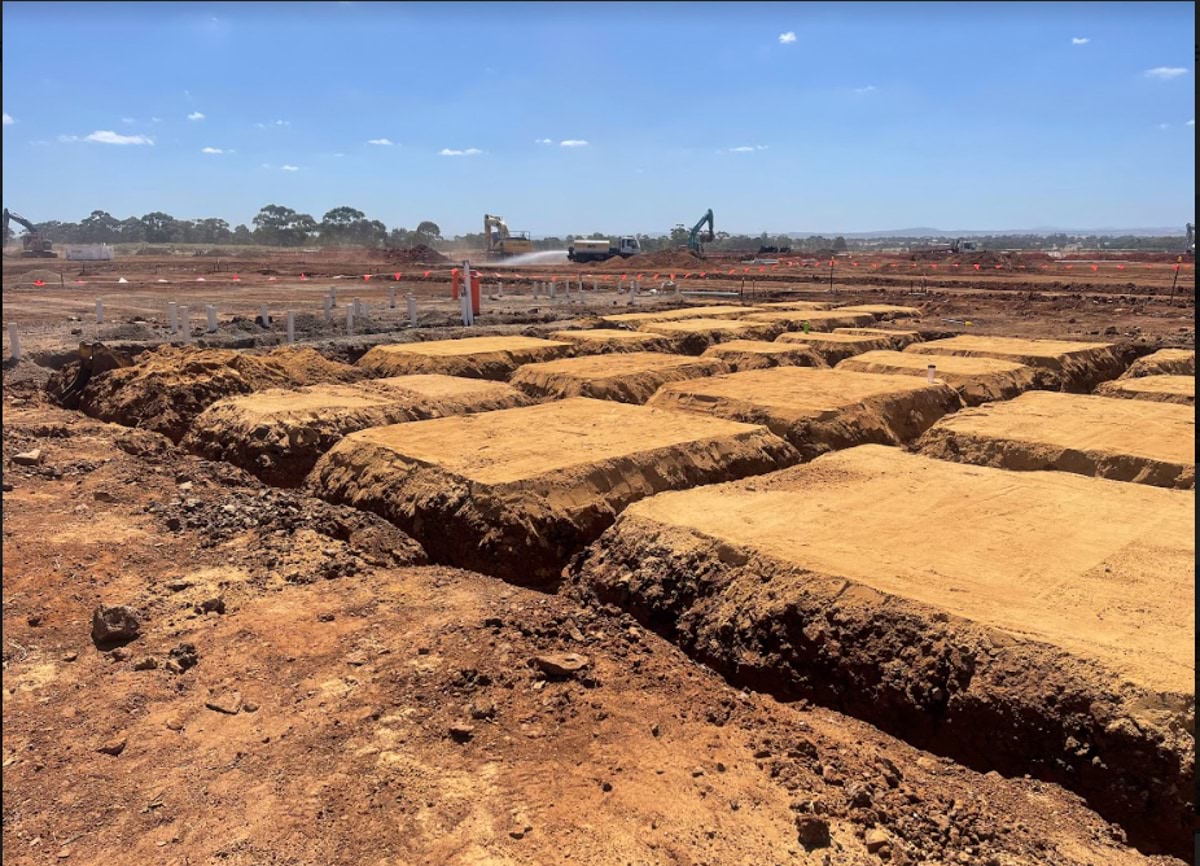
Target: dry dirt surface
pixel 277 435
pixel 1065 365
pixel 599 341
pixel 739 355
pixel 694 336
pixel 474 357
pixel 1163 389
pixel 719 311
pixel 899 589
pixel 898 339
pixel 774 306
pixel 834 347
pixel 818 410
pixel 168 387
pixel 298 693
pixel 882 311
pixel 1125 440
pixel 630 377
pixel 977 380
pixel 1164 362
pixel 515 493
pixel 817 320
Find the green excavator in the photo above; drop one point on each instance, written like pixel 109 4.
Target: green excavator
pixel 696 240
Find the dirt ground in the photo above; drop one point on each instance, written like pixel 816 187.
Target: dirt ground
pixel 630 377
pixel 977 380
pixel 311 683
pixel 1163 388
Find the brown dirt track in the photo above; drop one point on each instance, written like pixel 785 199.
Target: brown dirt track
pixel 1084 676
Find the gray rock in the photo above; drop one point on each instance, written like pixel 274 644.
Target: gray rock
pixel 115 624
pixel 28 458
pixel 561 665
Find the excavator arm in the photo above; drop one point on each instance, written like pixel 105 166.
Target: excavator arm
pixel 9 215
pixel 694 239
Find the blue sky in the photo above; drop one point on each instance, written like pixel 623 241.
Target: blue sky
pixel 865 117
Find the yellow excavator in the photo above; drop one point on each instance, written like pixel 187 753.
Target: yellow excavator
pixel 502 243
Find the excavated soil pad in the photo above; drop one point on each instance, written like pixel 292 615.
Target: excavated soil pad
pixel 1036 623
pixel 882 311
pixel 472 357
pixel 515 493
pixel 1064 365
pixel 627 378
pixel 278 434
pixel 977 380
pixel 344 708
pixel 599 341
pixel 1126 440
pixel 792 305
pixel 694 336
pixel 836 347
pixel 1164 362
pixel 898 339
pixel 741 355
pixel 168 387
pixel 1162 389
pixel 818 410
pixel 818 320
pixel 719 311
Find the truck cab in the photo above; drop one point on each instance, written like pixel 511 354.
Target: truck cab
pixel 628 246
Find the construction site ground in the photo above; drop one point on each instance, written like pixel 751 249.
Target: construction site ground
pixel 688 634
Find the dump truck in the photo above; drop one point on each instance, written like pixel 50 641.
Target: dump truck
pixel 584 250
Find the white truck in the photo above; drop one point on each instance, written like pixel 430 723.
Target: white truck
pixel 583 250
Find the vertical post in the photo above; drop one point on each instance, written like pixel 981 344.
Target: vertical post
pixel 552 290
pixel 173 316
pixel 677 290
pixel 187 325
pixel 500 289
pixel 99 312
pixel 14 342
pixel 265 315
pixel 349 319
pixel 333 294
pixel 391 297
pixel 328 307
pixel 212 318
pixel 357 307
pixel 595 286
pixel 468 313
pixel 291 327
pixel 411 302
pixel 930 371
pixel 535 289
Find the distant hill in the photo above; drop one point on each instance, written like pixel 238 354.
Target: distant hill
pixel 926 232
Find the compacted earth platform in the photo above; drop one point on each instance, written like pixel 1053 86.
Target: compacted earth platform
pixel 1061 364
pixel 628 378
pixel 474 357
pixel 977 380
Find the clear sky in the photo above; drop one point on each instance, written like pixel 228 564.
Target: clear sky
pixel 621 117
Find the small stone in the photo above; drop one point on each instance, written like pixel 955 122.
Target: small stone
pixel 422 650
pixel 483 710
pixel 356 659
pixel 697 772
pixel 211 605
pixel 149 663
pixel 174 724
pixel 876 839
pixel 70 657
pixel 182 658
pixel 461 732
pixel 655 731
pixel 228 703
pixel 814 831
pixel 34 620
pixel 561 665
pixel 250 707
pixel 6 486
pixel 120 654
pixel 325 617
pixel 103 496
pixel 113 747
pixel 28 458
pixel 606 787
pixel 114 624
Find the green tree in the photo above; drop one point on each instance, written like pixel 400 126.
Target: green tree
pixel 158 227
pixel 839 244
pixel 427 233
pixel 241 235
pixel 338 225
pixel 276 225
pixel 100 227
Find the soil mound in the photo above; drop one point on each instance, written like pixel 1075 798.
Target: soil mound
pixel 472 357
pixel 1065 365
pixel 418 255
pixel 837 347
pixel 1169 362
pixel 681 260
pixel 977 380
pixel 603 341
pixel 170 386
pixel 817 320
pixel 740 355
pixel 898 339
pixel 694 336
pixel 1161 389
pixel 627 378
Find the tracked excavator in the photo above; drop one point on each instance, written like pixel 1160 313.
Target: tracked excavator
pixel 696 240
pixel 1190 249
pixel 33 245
pixel 502 243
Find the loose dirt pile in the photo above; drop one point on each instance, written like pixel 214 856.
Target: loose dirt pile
pixel 516 493
pixel 682 260
pixel 1125 440
pixel 898 339
pixel 836 347
pixel 817 320
pixel 1162 389
pixel 1172 362
pixel 694 336
pixel 740 355
pixel 602 341
pixel 627 378
pixel 1065 365
pixel 977 380
pixel 168 387
pixel 1033 623
pixel 818 410
pixel 277 435
pixel 473 357
pixel 418 255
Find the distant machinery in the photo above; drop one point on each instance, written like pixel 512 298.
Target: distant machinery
pixel 33 245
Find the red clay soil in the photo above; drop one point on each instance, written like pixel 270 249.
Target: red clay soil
pixel 681 259
pixel 418 255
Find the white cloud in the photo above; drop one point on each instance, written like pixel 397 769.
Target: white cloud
pixel 107 136
pixel 156 120
pixel 266 165
pixel 195 115
pixel 274 123
pixel 867 89
pixel 1165 72
pixel 573 142
pixel 212 150
pixel 787 38
pixel 470 151
pixel 1164 126
pixel 1080 40
pixel 1191 122
pixel 68 138
pixel 128 120
pixel 535 141
pixel 8 121
pixel 289 168
pixel 383 142
pixel 745 148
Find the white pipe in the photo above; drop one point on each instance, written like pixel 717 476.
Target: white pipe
pixel 14 342
pixel 187 325
pixel 391 297
pixel 212 318
pixel 173 316
pixel 929 373
pixel 411 301
pixel 500 289
pixel 291 326
pixel 328 305
pixel 349 318
pixel 99 312
pixel 266 316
